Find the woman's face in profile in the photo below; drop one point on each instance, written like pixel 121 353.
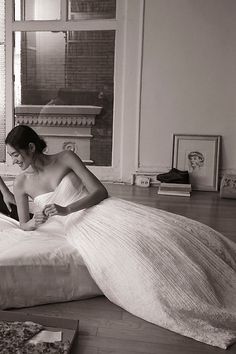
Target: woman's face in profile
pixel 20 158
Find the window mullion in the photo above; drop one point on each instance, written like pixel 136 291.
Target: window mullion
pixel 64 25
pixel 63 10
pixel 9 66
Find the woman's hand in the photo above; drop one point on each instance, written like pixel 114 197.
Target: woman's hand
pixel 55 209
pixel 40 218
pixel 29 225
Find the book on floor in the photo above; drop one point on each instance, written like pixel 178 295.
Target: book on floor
pixel 176 189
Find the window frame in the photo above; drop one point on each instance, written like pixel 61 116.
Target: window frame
pixel 128 25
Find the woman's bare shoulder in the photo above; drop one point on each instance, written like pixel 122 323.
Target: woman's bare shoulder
pixel 20 179
pixel 66 153
pixel 62 155
pixel 19 182
pixel 67 156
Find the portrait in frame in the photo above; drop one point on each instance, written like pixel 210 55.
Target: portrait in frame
pixel 199 155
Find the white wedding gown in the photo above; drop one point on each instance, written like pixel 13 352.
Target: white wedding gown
pixel 165 268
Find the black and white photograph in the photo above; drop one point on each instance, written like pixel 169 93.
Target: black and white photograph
pixel 117 176
pixel 199 155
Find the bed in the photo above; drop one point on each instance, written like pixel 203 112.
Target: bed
pixel 36 271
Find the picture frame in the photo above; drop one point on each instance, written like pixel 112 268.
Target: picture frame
pixel 199 155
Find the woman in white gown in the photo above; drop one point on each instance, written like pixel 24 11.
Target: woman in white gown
pixel 165 268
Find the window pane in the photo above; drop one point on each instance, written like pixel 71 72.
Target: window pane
pixel 2 80
pixel 91 9
pixel 26 10
pixel 68 69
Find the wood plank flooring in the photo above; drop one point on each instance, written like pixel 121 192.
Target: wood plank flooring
pixel 106 328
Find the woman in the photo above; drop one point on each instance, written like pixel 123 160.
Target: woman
pixel 162 267
pixel 26 150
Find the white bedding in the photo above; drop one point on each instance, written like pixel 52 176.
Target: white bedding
pixel 39 268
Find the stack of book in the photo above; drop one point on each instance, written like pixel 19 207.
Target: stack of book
pixel 178 189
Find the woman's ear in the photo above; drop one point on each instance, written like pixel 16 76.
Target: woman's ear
pixel 32 147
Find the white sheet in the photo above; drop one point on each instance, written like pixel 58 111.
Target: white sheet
pixel 39 268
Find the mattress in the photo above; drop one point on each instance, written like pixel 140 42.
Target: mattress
pixel 41 269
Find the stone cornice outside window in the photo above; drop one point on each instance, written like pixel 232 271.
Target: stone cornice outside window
pixel 55 115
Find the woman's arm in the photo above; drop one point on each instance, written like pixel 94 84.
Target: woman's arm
pixel 22 203
pixel 96 190
pixel 8 196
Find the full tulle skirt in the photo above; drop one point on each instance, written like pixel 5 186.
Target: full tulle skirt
pixel 165 268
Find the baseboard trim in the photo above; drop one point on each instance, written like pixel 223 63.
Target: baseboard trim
pixel 152 172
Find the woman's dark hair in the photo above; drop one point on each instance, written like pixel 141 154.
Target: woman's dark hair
pixel 20 137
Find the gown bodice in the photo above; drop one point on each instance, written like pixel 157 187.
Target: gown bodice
pixel 68 190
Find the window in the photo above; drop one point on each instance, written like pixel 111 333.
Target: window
pixel 87 10
pixel 113 132
pixel 26 10
pixel 67 65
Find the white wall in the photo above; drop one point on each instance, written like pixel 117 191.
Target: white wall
pixel 188 82
pixel 188 77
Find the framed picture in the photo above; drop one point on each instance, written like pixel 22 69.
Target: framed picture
pixel 199 155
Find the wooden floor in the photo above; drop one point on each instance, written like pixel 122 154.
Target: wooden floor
pixel 106 328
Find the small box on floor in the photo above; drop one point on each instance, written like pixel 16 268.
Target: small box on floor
pixel 142 181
